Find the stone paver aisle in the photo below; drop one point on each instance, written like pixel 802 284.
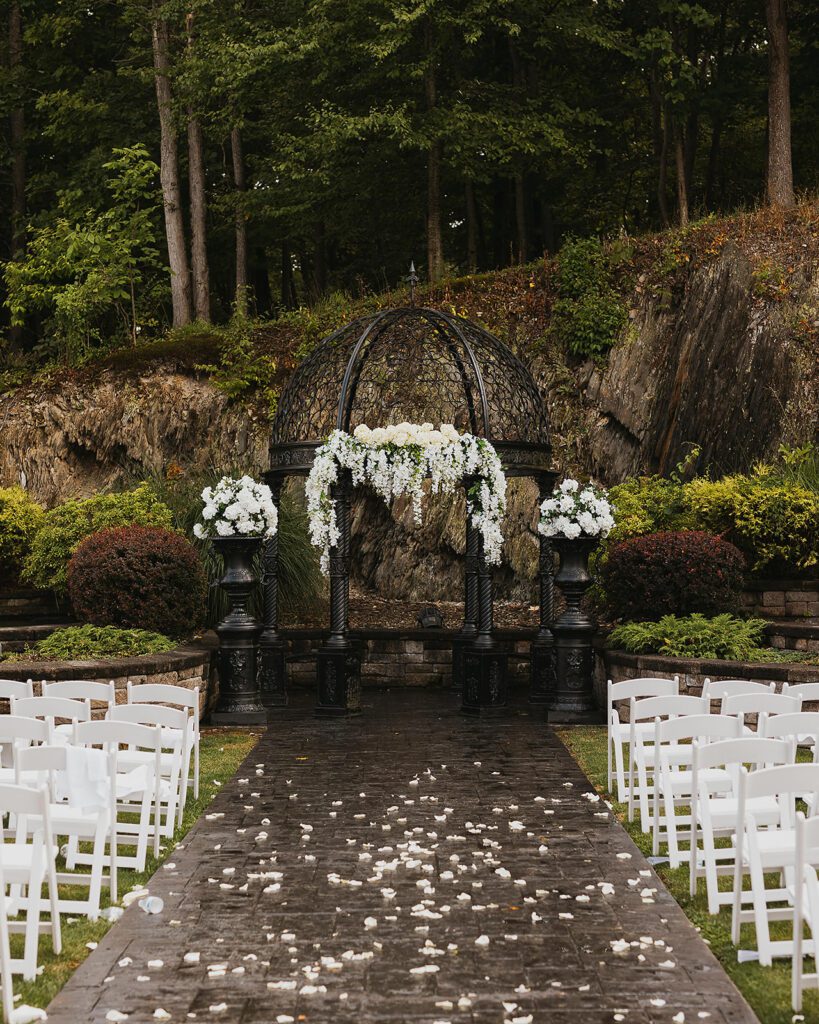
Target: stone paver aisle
pixel 407 865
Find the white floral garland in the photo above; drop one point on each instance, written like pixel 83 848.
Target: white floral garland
pixel 237 508
pixel 395 460
pixel 572 512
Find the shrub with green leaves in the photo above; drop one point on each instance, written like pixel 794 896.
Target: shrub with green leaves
pixel 648 504
pixel 20 518
pixel 66 526
pixel 588 313
pixel 778 527
pixel 692 636
pixel 75 643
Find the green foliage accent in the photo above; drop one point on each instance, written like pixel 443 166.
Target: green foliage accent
pixel 75 643
pixel 588 314
pixel 20 518
pixel 692 636
pixel 648 504
pixel 241 367
pixel 65 526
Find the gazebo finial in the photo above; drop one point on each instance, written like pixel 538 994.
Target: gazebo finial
pixel 412 280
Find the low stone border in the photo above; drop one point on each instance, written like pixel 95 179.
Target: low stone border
pixel 190 665
pixel 618 665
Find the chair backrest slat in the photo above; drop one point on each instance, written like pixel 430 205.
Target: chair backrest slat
pixel 675 704
pixel 16 688
pixel 758 703
pixel 716 689
pixel 52 707
pixel 81 689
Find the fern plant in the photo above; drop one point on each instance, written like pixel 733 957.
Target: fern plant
pixel 722 637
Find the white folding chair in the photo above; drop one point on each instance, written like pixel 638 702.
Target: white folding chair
pixel 716 689
pixel 805 907
pixel 767 703
pixel 15 732
pixel 673 760
pixel 74 818
pixel 809 692
pixel 641 744
pixel 28 864
pixel 5 950
pixel 800 726
pixel 82 689
pixel 177 730
pixel 714 810
pixel 181 696
pixel 138 789
pixel 50 709
pixel 761 849
pixel 16 688
pixel 618 731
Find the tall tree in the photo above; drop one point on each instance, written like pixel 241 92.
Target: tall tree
pixel 169 174
pixel 241 220
pixel 200 273
pixel 780 167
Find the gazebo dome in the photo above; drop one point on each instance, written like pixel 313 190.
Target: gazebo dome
pixel 412 364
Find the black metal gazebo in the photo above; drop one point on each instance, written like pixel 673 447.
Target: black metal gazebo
pixel 409 364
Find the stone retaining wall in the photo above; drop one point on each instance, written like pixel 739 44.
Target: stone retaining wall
pixel 410 658
pixel 190 666
pixel 617 665
pixel 782 599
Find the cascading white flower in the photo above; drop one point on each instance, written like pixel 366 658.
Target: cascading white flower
pixel 237 508
pixel 395 460
pixel 573 512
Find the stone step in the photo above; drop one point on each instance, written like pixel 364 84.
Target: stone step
pixel 790 635
pixel 15 638
pixel 27 603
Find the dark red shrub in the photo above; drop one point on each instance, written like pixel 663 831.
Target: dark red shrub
pixel 675 572
pixel 140 577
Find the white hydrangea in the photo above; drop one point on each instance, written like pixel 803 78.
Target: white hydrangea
pixel 395 460
pixel 571 512
pixel 237 508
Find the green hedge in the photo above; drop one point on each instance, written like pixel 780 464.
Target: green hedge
pixel 66 526
pixel 80 642
pixel 20 519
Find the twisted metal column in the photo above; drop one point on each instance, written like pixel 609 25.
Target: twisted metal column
pixel 469 629
pixel 542 654
pixel 339 660
pixel 271 664
pixel 484 661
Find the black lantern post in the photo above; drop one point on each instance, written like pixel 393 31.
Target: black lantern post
pixel 484 662
pixel 271 666
pixel 542 655
pixel 573 698
pixel 339 659
pixel 469 630
pixel 238 635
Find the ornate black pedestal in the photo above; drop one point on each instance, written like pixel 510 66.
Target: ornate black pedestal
pixel 238 635
pixel 573 699
pixel 484 664
pixel 339 660
pixel 271 669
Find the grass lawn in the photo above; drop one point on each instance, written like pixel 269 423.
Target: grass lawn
pixel 221 754
pixel 767 989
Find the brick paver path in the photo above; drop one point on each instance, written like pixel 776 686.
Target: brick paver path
pixel 407 865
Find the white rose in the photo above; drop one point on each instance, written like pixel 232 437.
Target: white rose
pixel 224 529
pixel 199 531
pixel 572 531
pixel 569 486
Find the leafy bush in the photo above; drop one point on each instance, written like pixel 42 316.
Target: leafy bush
pixel 777 526
pixel 80 642
pixel 694 636
pixel 672 573
pixel 20 518
pixel 646 504
pixel 66 526
pixel 588 313
pixel 138 576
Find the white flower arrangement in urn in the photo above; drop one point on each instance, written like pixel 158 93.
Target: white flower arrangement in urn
pixel 237 508
pixel 574 512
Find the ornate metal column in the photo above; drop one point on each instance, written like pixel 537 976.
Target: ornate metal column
pixel 270 662
pixel 484 663
pixel 466 637
pixel 339 660
pixel 542 653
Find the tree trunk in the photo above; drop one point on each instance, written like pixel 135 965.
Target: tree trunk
pixel 288 287
pixel 320 258
pixel 713 163
pixel 198 208
pixel 17 129
pixel 520 218
pixel 471 227
pixel 662 176
pixel 261 283
pixel 435 245
pixel 780 169
pixel 241 221
pixel 682 185
pixel 169 177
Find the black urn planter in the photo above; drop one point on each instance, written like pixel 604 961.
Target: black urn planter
pixel 238 634
pixel 572 699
